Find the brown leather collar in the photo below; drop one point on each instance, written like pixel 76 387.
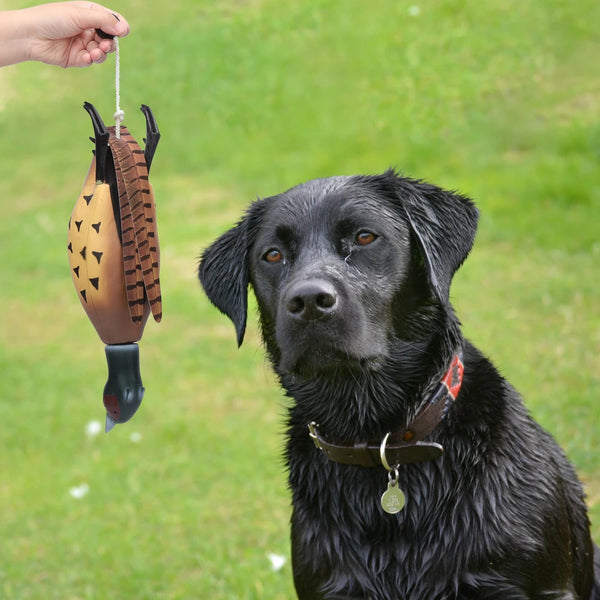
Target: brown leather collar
pixel 405 445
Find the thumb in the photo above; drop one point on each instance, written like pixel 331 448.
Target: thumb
pixel 94 16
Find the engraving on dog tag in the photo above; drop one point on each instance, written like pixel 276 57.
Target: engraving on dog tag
pixel 393 500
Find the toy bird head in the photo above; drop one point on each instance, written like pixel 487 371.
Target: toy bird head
pixel 124 390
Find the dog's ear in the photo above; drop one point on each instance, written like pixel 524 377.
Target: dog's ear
pixel 444 226
pixel 224 275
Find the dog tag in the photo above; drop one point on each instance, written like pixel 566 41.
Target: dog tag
pixel 393 500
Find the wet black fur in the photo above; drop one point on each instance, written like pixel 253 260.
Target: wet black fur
pixel 501 514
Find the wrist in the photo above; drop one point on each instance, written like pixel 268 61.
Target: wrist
pixel 15 36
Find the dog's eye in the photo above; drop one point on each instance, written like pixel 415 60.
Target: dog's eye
pixel 363 238
pixel 273 256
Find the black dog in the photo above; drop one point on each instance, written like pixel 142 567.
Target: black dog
pixel 352 278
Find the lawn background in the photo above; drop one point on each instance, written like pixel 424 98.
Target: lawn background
pixel 498 99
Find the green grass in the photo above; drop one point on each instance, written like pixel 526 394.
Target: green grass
pixel 497 99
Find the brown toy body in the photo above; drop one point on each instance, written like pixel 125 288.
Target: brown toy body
pixel 96 261
pixel 114 255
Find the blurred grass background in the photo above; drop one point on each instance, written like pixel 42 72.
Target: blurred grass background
pixel 497 99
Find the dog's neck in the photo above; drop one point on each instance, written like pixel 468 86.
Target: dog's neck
pixel 358 401
pixel 404 445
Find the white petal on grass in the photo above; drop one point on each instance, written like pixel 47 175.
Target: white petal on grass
pixel 277 561
pixel 93 428
pixel 414 11
pixel 135 437
pixel 79 491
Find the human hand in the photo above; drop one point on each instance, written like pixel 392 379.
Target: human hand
pixel 60 33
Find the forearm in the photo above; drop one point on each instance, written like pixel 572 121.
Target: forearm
pixel 15 39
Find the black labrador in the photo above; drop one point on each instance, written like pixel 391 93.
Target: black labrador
pixel 415 470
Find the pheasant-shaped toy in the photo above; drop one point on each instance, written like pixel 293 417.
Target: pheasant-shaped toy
pixel 114 256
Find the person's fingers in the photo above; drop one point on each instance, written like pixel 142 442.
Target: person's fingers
pixel 106 46
pixel 82 59
pixel 97 55
pixel 96 52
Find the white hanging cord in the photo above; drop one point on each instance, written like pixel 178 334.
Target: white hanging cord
pixel 119 115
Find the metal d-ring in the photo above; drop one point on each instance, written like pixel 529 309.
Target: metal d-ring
pixel 312 426
pixel 382 456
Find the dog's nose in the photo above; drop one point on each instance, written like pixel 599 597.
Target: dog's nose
pixel 311 300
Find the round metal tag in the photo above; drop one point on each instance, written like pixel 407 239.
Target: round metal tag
pixel 393 500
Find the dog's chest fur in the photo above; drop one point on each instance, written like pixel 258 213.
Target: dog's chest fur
pixel 463 511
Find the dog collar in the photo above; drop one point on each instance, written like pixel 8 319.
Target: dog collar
pixel 405 445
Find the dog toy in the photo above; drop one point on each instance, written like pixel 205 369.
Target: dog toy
pixel 114 255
